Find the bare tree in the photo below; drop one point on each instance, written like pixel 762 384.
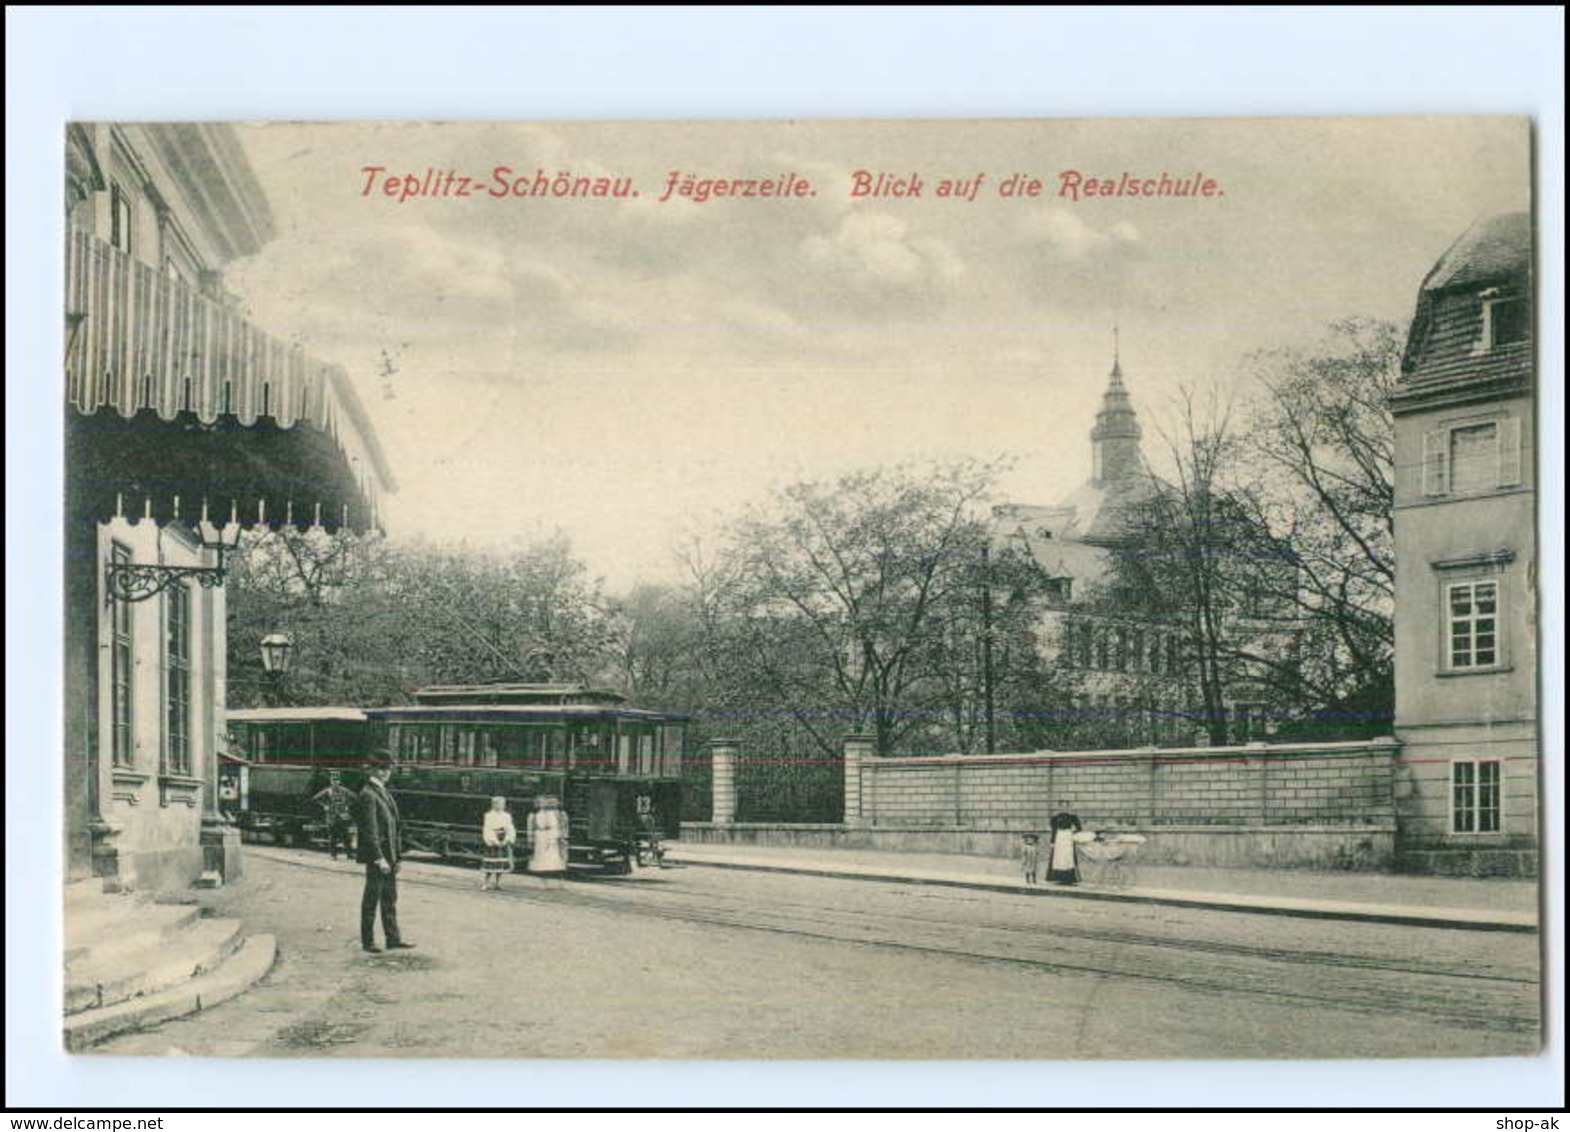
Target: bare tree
pixel 844 604
pixel 1322 438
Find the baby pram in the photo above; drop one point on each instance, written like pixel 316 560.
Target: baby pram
pixel 1110 858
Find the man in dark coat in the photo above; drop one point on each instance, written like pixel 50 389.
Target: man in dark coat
pixel 378 846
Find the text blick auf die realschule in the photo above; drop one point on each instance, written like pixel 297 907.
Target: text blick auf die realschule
pixel 506 183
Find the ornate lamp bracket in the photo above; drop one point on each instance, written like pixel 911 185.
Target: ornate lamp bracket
pixel 138 581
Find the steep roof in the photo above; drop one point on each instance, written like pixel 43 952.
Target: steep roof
pixel 1450 357
pixel 1106 513
pixel 1493 249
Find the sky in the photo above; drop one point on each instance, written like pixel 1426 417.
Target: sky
pixel 629 371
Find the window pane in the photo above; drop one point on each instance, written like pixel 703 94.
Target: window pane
pixel 1509 322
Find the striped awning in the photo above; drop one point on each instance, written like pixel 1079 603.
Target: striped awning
pixel 179 409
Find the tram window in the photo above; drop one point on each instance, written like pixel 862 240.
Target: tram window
pixel 419 743
pixel 645 753
pixel 593 748
pixel 624 754
pixel 468 746
pixel 261 745
pixel 510 749
pixel 294 743
pixel 340 745
pixel 672 737
pixel 554 740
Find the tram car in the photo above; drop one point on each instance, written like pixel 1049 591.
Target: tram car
pixel 280 759
pixel 616 769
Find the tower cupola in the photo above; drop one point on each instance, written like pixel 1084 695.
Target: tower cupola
pixel 1115 439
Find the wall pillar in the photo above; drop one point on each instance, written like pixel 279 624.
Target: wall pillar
pixel 220 840
pixel 858 748
pixel 722 767
pixel 84 824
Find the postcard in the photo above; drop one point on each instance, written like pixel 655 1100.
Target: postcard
pixel 1001 589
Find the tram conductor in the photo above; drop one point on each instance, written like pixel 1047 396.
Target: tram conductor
pixel 378 849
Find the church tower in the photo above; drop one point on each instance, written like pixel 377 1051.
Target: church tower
pixel 1115 439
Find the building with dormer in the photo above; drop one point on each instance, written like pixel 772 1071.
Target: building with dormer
pixel 1466 560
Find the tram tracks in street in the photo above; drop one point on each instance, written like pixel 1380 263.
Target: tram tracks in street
pixel 1454 992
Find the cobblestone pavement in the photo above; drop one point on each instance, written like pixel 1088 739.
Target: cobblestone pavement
pixel 705 963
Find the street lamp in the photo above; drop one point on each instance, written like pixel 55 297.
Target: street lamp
pixel 276 648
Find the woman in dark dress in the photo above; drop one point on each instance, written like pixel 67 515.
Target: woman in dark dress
pixel 1063 868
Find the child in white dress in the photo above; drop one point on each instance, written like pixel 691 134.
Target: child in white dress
pixel 499 835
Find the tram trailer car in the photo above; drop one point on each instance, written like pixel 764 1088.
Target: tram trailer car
pixel 616 769
pixel 289 754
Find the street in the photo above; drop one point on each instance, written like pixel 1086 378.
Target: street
pixel 697 962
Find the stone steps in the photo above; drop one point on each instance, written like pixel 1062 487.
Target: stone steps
pixel 97 931
pixel 132 962
pixel 253 960
pixel 154 964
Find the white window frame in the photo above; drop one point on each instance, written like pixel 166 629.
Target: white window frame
pixel 1492 568
pixel 178 669
pixel 122 672
pixel 1475 808
pixel 1438 445
pixel 1473 620
pixel 1490 299
pixel 122 219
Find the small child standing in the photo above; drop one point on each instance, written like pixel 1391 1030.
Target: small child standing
pixel 1030 856
pixel 500 835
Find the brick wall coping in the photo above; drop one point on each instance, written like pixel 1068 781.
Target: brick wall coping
pixel 1253 752
pixel 1385 823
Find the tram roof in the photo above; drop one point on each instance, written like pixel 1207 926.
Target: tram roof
pixel 495 711
pixel 542 694
pixel 297 715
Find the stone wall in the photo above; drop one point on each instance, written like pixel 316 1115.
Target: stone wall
pixel 1304 805
pixel 1258 785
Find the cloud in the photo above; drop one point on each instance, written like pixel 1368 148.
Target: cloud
pixel 870 266
pixel 1067 236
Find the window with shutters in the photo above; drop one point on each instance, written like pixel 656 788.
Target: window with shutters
pixel 1474 796
pixel 1472 457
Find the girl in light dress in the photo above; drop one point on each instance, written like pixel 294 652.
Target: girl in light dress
pixel 548 838
pixel 499 835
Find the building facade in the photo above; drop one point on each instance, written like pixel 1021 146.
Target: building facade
pixel 1466 561
pixel 185 425
pixel 1126 668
